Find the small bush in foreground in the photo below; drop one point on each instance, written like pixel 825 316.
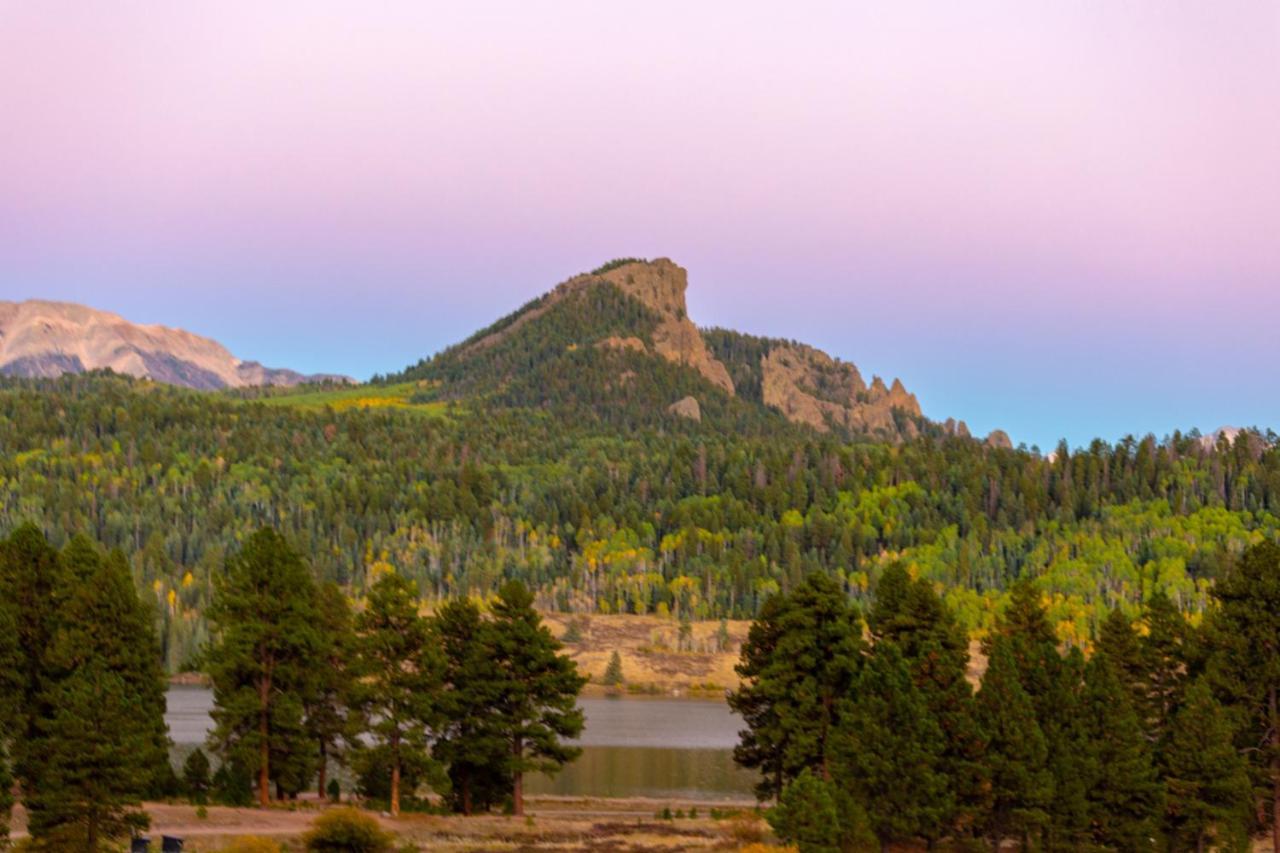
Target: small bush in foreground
pixel 252 844
pixel 346 830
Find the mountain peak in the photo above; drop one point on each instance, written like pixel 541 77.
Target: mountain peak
pixel 43 338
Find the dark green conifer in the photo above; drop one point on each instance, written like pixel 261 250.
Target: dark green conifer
pixel 1118 640
pixel 262 663
pixel 1244 668
pixel 472 744
pixel 1125 795
pixel 11 683
pixel 1207 779
pixel 88 792
pixel 195 776
pixel 328 703
pixel 1017 754
pixel 400 671
pixel 889 751
pixel 613 676
pixel 539 690
pixel 806 815
pixel 803 659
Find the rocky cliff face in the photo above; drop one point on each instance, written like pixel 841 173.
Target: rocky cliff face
pixel 46 339
pixel 810 387
pixel 660 285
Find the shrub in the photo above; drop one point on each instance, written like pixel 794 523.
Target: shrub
pixel 747 828
pixel 613 672
pixel 253 844
pixel 346 830
pixel 334 790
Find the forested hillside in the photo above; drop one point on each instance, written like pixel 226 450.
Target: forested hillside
pixel 629 513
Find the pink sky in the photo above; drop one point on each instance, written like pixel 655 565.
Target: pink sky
pixel 1069 200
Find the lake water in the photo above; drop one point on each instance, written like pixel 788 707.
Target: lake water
pixel 659 748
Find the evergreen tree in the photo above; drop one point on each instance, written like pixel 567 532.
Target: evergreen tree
pixel 400 671
pixel 262 662
pixel 1245 667
pixel 11 683
pixel 1017 754
pixel 1207 779
pixel 1119 642
pixel 910 614
pixel 31 579
pixel 472 743
pixel 806 815
pixel 195 776
pixel 539 689
pixel 88 791
pixel 329 700
pixel 795 669
pixel 613 672
pixel 1125 795
pixel 1172 656
pixel 890 749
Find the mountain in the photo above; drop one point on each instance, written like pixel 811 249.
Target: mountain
pixel 620 339
pixel 46 339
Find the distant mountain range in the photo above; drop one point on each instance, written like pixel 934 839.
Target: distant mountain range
pixel 44 339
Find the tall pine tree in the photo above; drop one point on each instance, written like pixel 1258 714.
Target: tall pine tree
pixel 471 743
pixel 262 662
pixel 328 703
pixel 1207 779
pixel 539 690
pixel 400 671
pixel 1245 667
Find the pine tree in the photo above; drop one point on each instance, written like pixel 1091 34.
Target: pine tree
pixel 613 672
pixel 195 776
pixel 540 689
pixel 1125 795
pixel 31 579
pixel 11 683
pixel 262 661
pixel 1172 656
pixel 806 815
pixel 1207 779
pixel 472 743
pixel 1017 754
pixel 1244 667
pixel 400 671
pixel 910 614
pixel 88 791
pixel 889 750
pixel 1119 642
pixel 799 660
pixel 96 763
pixel 329 700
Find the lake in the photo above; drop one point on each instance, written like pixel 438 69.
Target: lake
pixel 633 747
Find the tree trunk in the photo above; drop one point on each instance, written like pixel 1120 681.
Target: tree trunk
pixel 395 775
pixel 1275 770
pixel 264 747
pixel 517 789
pixel 1200 842
pixel 466 792
pixel 324 767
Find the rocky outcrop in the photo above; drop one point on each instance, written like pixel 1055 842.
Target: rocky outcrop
pixel 46 339
pixel 810 387
pixel 686 407
pixel 1000 440
pixel 660 286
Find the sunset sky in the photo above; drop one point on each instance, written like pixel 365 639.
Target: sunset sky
pixel 1057 218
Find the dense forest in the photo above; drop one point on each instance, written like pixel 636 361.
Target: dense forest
pixel 869 732
pixel 604 515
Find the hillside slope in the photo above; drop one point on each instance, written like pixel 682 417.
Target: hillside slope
pixel 42 339
pixel 608 340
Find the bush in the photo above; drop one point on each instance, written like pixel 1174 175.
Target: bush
pixel 747 828
pixel 346 830
pixel 253 844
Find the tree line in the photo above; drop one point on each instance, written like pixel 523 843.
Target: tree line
pixel 622 515
pixel 463 702
pixel 869 732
